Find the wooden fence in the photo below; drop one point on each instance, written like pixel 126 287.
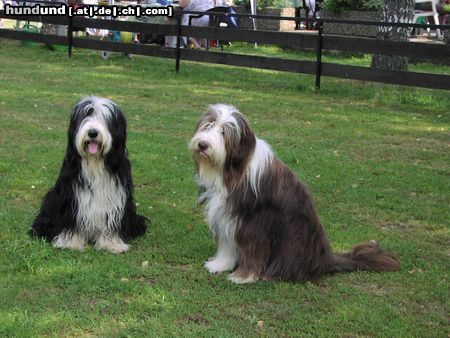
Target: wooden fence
pixel 318 42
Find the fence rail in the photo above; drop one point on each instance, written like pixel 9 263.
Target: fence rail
pixel 318 42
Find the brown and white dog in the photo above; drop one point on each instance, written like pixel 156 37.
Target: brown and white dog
pixel 261 216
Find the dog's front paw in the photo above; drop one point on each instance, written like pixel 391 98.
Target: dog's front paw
pixel 216 266
pixel 118 248
pixel 112 244
pixel 69 240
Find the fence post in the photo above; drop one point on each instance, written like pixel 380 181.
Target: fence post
pixel 319 54
pixel 178 52
pixel 70 36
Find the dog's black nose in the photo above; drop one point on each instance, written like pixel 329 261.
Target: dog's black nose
pixel 92 133
pixel 202 145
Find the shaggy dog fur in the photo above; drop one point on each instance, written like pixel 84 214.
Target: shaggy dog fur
pixel 261 216
pixel 92 200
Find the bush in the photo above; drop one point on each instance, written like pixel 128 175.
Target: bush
pixel 339 6
pixel 260 4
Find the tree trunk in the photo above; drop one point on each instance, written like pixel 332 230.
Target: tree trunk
pixel 394 11
pixel 447 31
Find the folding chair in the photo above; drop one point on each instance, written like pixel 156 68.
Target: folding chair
pixel 425 14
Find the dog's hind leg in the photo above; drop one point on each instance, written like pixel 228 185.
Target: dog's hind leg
pixel 240 277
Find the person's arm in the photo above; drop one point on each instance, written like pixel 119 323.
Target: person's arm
pixel 184 3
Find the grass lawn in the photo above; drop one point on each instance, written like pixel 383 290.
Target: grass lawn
pixel 362 60
pixel 376 158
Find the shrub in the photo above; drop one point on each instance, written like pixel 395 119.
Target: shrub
pixel 260 4
pixel 339 6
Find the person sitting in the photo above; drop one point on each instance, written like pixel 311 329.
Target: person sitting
pixel 311 11
pixel 200 6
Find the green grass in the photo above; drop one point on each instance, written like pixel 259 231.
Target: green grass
pixel 362 60
pixel 375 157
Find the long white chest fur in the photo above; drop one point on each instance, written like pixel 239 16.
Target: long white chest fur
pixel 218 215
pixel 100 201
pixel 222 224
pixel 220 220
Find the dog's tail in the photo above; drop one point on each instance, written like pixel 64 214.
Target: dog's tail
pixel 366 256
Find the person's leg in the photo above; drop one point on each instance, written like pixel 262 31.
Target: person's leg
pixel 297 15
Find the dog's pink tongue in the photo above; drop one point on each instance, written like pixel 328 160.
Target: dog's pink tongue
pixel 92 148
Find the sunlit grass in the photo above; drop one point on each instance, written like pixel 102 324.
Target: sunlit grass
pixel 375 157
pixel 345 58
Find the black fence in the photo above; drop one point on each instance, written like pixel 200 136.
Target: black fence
pixel 434 53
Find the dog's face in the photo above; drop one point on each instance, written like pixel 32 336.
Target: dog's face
pixel 223 141
pixel 91 122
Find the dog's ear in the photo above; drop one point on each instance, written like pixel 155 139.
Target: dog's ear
pixel 239 145
pixel 117 157
pixel 79 111
pixel 118 128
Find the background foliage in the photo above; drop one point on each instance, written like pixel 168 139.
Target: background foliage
pixel 337 6
pixel 340 6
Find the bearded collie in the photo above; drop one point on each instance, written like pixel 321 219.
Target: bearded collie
pixel 261 216
pixel 92 200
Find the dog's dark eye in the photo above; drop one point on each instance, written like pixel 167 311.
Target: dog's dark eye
pixel 89 112
pixel 222 131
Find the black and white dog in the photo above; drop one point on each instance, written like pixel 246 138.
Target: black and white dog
pixel 92 200
pixel 261 216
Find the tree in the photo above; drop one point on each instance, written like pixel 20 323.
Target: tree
pixel 394 11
